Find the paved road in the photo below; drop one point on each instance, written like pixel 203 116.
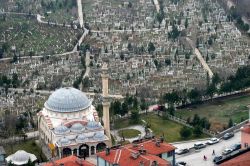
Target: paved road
pixel 199 56
pixel 196 158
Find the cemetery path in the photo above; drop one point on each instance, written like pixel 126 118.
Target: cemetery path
pixel 121 31
pixel 157 6
pixel 47 92
pixel 80 14
pixel 86 31
pixel 201 59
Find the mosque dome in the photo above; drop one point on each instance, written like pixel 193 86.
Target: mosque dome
pixel 61 129
pixel 77 127
pixel 21 157
pixel 67 100
pixel 81 138
pixel 99 136
pixel 64 141
pixel 92 125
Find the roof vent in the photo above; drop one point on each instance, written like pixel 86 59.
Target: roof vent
pixel 154 163
pixel 107 150
pixel 158 143
pixel 135 155
pixel 161 139
pixel 141 163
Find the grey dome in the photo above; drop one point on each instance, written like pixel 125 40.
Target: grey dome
pixel 93 125
pixel 21 157
pixel 61 129
pixel 99 136
pixel 67 100
pixel 81 138
pixel 77 127
pixel 64 141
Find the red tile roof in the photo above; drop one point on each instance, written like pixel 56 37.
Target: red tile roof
pixel 246 128
pixel 122 156
pixel 152 148
pixel 70 161
pixel 241 160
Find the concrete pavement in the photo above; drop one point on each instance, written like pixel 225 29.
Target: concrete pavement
pixel 196 158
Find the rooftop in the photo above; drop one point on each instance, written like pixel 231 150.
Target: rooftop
pixel 70 161
pixel 240 159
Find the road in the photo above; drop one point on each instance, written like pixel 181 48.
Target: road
pixel 196 158
pixel 80 14
pixel 199 56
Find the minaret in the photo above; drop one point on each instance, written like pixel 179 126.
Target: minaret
pixel 105 103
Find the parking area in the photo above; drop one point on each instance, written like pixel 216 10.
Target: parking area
pixel 195 158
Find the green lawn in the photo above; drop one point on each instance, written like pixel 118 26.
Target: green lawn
pixel 129 133
pixel 29 146
pixel 219 112
pixel 159 126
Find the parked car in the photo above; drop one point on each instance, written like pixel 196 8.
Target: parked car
pixel 213 141
pixel 236 147
pixel 228 135
pixel 217 158
pixel 227 151
pixel 180 163
pixel 182 151
pixel 199 145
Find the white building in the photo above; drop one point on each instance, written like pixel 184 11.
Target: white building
pixel 69 124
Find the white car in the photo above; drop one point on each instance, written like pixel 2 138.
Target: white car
pixel 213 141
pixel 227 151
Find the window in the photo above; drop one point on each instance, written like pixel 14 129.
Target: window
pixel 170 153
pixel 246 145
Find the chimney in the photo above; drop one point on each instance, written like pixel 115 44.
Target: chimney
pixel 158 143
pixel 141 163
pixel 107 150
pixel 154 163
pixel 161 139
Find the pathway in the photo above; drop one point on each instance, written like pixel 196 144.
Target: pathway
pixel 80 14
pixel 200 58
pixel 157 6
pixel 136 127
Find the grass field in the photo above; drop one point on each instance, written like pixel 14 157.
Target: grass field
pixel 29 146
pixel 160 127
pixel 129 133
pixel 219 112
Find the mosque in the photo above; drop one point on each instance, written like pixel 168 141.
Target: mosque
pixel 69 123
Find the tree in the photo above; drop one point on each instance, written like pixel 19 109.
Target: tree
pixel 196 120
pixel 130 47
pixel 117 107
pixel 124 108
pixel 174 33
pixel 135 117
pixel 171 110
pixel 186 23
pixel 230 123
pixel 185 132
pixel 143 105
pixel 216 79
pixel 194 95
pixel 129 5
pixel 197 131
pixel 211 89
pixel 167 62
pixel 5 47
pixel 151 47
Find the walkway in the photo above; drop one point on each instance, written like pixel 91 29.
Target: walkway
pixel 200 58
pixel 157 6
pixel 80 14
pixel 136 127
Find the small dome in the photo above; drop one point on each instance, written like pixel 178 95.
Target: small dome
pixel 81 138
pixel 77 127
pixel 93 125
pixel 61 130
pixel 64 141
pixel 21 157
pixel 67 100
pixel 99 136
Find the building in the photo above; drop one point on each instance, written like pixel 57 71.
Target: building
pixel 245 136
pixel 69 124
pixel 145 153
pixel 239 159
pixel 69 161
